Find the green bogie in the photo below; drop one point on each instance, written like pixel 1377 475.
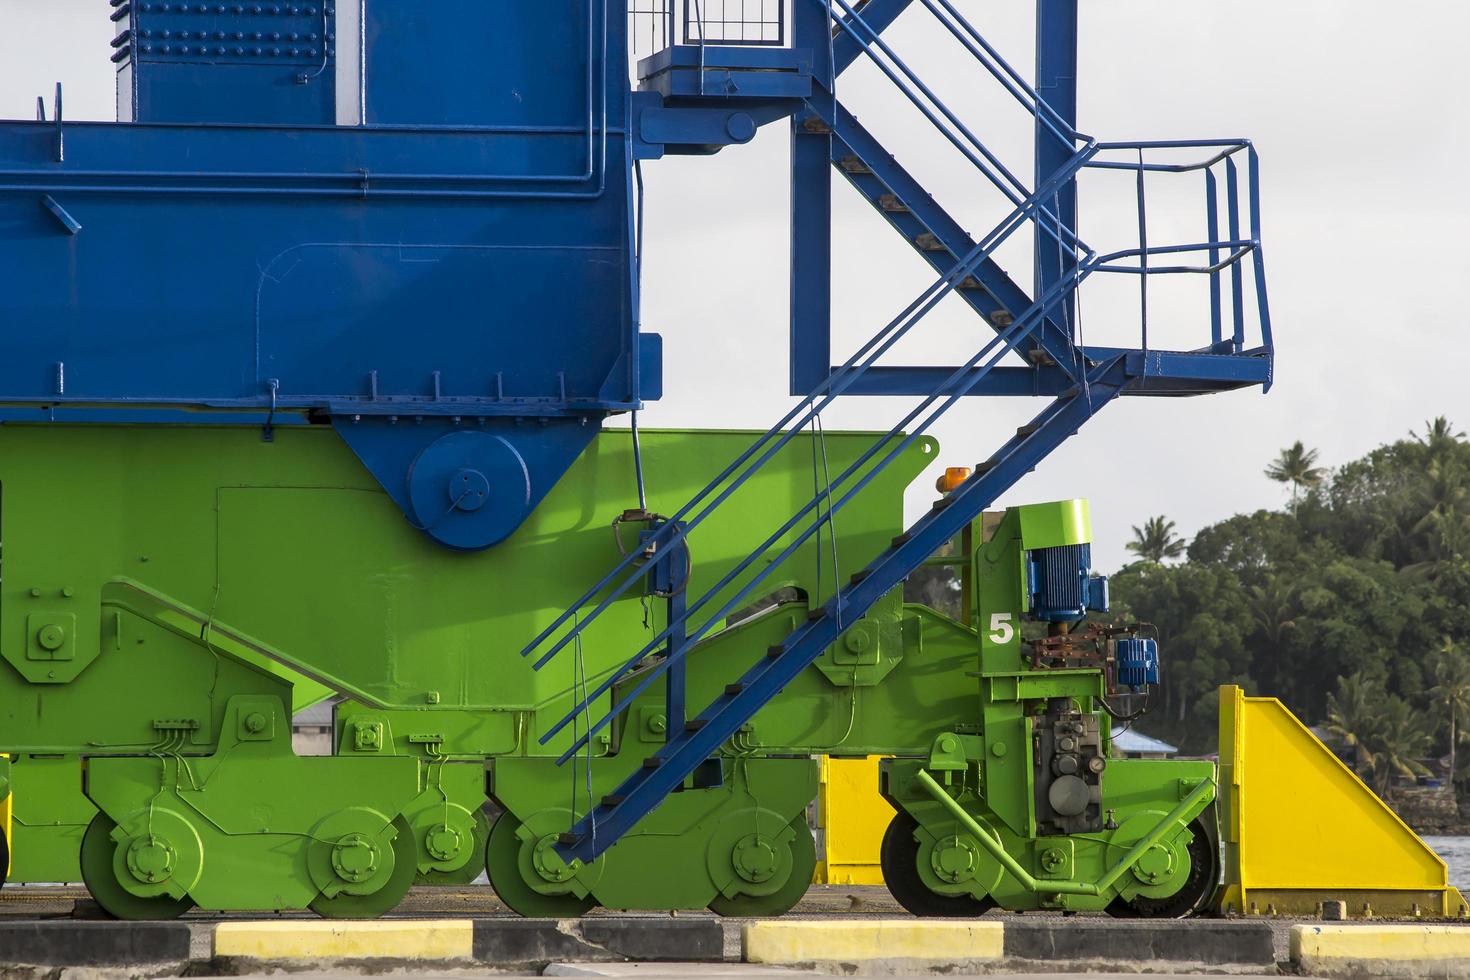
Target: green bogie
pixel 935 865
pixel 741 844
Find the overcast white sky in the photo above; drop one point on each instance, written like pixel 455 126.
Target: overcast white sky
pixel 1357 108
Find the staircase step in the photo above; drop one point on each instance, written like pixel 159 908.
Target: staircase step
pixel 1002 318
pixel 733 689
pixel 695 724
pixel 816 125
pixel 775 652
pixel 813 615
pixel 929 242
pixel 891 204
pixel 1023 431
pixel 970 282
pixel 652 762
pixel 901 540
pixel 853 165
pixel 612 799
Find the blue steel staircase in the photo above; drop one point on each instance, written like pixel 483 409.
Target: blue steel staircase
pixel 1039 333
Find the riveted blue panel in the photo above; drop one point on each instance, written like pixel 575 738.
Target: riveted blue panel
pixel 266 63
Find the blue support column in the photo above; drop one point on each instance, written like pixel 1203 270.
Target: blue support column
pixel 811 214
pixel 1056 82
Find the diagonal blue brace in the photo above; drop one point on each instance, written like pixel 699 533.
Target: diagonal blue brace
pixel 877 14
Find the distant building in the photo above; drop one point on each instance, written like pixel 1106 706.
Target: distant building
pixel 1130 744
pixel 311 730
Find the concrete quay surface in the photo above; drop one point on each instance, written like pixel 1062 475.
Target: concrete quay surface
pixel 845 931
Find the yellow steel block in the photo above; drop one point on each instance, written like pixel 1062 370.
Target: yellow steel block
pixel 857 941
pixel 1298 824
pixel 7 800
pixel 401 939
pixel 1355 948
pixel 852 818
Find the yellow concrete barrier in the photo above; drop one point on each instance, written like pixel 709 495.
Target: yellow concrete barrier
pixel 401 939
pixel 1368 950
pixel 851 819
pixel 859 941
pixel 1300 828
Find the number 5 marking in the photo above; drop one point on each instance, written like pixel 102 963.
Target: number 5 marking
pixel 1001 630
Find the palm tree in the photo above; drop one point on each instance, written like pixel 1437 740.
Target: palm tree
pixel 1354 714
pixel 1445 501
pixel 1439 435
pixel 1452 689
pixel 1271 606
pixel 1156 540
pixel 1401 740
pixel 1296 465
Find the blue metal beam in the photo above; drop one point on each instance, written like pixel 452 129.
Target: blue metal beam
pixel 1056 83
pixel 811 226
pixel 878 14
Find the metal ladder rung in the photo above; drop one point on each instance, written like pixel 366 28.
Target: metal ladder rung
pixel 929 242
pixel 892 204
pixel 854 165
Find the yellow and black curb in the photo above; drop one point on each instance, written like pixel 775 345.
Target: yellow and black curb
pixel 1381 950
pixel 861 945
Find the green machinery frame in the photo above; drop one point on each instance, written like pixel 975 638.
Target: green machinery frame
pixel 172 594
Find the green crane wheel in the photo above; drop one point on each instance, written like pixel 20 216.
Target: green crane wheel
pixel 503 864
pixel 100 878
pixel 1198 885
pixel 899 858
pixel 783 899
pixel 472 868
pixel 386 898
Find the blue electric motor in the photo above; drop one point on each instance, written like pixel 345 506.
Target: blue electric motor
pixel 1062 586
pixel 1138 662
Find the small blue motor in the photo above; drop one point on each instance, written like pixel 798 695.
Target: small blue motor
pixel 1138 662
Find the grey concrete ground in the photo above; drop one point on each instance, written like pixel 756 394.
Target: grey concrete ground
pixel 660 971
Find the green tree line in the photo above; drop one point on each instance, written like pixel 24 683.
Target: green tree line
pixel 1351 605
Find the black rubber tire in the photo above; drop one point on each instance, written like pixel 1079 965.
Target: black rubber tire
pixel 1199 885
pixel 899 859
pixel 4 857
pixel 101 881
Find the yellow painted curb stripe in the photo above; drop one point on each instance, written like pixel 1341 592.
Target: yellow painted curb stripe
pixel 853 941
pixel 1383 943
pixel 406 939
